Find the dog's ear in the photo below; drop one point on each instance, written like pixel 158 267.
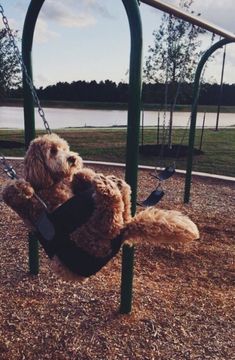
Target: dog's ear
pixel 35 168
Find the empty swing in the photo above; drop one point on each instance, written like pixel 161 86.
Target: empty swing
pixel 168 171
pixel 162 175
pixel 157 194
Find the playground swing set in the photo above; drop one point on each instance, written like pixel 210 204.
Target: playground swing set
pixel 134 104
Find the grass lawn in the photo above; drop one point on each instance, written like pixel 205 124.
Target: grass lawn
pixel 109 145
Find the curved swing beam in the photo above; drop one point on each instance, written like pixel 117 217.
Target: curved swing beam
pixel 135 86
pixel 196 91
pixel 135 83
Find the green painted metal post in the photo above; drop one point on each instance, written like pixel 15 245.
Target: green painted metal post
pixel 127 278
pixel 27 42
pixel 29 119
pixel 201 64
pixel 132 147
pixel 220 91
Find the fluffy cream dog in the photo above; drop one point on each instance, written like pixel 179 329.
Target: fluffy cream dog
pixel 56 174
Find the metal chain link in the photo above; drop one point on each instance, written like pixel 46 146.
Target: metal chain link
pixel 164 130
pixel 25 71
pixel 7 168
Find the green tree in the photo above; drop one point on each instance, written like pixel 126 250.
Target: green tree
pixel 173 57
pixel 10 69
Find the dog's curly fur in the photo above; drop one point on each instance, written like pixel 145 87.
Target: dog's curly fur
pixel 55 173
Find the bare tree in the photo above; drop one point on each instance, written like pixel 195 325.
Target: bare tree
pixel 173 57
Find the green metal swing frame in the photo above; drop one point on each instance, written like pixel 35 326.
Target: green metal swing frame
pixel 135 84
pixel 134 106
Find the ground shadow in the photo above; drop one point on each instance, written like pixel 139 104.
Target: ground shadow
pixel 176 151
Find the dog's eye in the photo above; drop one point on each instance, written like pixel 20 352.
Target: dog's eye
pixel 54 150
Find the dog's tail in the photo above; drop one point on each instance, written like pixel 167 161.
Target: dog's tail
pixel 161 227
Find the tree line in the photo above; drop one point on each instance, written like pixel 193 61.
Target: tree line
pixel 171 60
pixel 109 91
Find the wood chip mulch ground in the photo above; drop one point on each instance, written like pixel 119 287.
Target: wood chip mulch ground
pixel 183 304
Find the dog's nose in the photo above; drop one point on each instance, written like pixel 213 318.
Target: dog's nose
pixel 71 160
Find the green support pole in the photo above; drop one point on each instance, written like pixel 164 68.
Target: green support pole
pixel 127 278
pixel 132 147
pixel 29 119
pixel 134 101
pixel 220 91
pixel 33 254
pixel 27 41
pixel 196 88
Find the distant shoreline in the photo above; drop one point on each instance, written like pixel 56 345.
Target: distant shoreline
pixel 114 106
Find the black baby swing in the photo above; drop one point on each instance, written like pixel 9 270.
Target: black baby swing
pixel 54 228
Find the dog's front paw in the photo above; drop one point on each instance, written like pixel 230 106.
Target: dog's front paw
pixel 105 186
pixel 82 180
pixel 17 189
pixel 24 189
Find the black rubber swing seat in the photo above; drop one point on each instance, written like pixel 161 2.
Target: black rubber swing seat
pixel 54 229
pixel 166 173
pixel 65 219
pixel 153 198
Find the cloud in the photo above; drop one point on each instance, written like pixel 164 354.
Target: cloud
pixel 40 80
pixel 73 13
pixel 99 9
pixel 69 14
pixel 221 13
pixel 42 33
pixel 66 15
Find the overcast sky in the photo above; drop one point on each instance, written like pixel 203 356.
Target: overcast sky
pixel 89 39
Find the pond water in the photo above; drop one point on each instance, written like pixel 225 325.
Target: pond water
pixel 12 117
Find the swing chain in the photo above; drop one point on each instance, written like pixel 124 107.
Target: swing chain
pixel 8 169
pixel 25 71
